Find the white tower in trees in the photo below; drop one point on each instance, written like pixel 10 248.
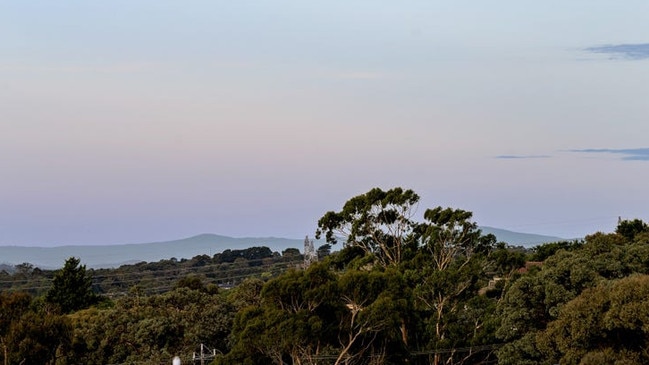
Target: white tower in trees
pixel 310 255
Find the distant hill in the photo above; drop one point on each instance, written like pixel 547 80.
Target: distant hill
pixel 518 238
pixel 110 256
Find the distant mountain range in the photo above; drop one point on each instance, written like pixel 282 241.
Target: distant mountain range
pixel 518 238
pixel 108 256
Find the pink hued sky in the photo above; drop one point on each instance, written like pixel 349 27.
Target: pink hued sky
pixel 124 122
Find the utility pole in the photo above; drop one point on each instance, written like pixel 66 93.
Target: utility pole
pixel 203 356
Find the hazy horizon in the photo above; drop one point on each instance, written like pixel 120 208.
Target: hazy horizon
pixel 485 229
pixel 128 122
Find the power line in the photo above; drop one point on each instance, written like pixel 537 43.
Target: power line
pixel 175 273
pixel 118 274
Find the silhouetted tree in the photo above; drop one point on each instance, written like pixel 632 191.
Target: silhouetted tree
pixel 629 229
pixel 72 287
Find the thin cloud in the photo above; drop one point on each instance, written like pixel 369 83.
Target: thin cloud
pixel 521 157
pixel 625 51
pixel 628 154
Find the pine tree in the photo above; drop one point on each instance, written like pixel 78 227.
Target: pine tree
pixel 72 287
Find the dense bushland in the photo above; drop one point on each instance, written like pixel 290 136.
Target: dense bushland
pixel 397 291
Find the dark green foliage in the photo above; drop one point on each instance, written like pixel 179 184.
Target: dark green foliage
pixel 446 227
pixel 609 321
pixel 225 269
pixel 378 221
pixel 255 254
pixel 192 282
pixel 629 229
pixel 399 292
pixel 72 287
pixel 350 257
pixel 314 314
pixel 151 329
pixel 533 306
pixel 30 332
pixel 324 251
pixel 291 253
pixel 542 252
pixel 38 336
pixel 294 318
pixel 246 294
pixel 25 277
pixel 506 260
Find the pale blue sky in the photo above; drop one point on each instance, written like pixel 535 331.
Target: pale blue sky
pixel 135 121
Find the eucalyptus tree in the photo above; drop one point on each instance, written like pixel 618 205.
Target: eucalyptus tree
pixel 30 332
pixel 606 324
pixel 536 310
pixel 151 329
pixel 293 323
pixel 443 259
pixel 373 322
pixel 448 271
pixel 379 222
pixel 399 288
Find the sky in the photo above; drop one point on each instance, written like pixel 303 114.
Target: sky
pixel 139 121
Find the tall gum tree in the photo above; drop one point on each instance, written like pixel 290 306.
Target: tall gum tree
pixel 380 222
pixel 451 262
pixel 444 258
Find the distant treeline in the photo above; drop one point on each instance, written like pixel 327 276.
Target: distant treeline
pixel 226 269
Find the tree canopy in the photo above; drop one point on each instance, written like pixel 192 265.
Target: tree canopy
pixel 401 290
pixel 72 287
